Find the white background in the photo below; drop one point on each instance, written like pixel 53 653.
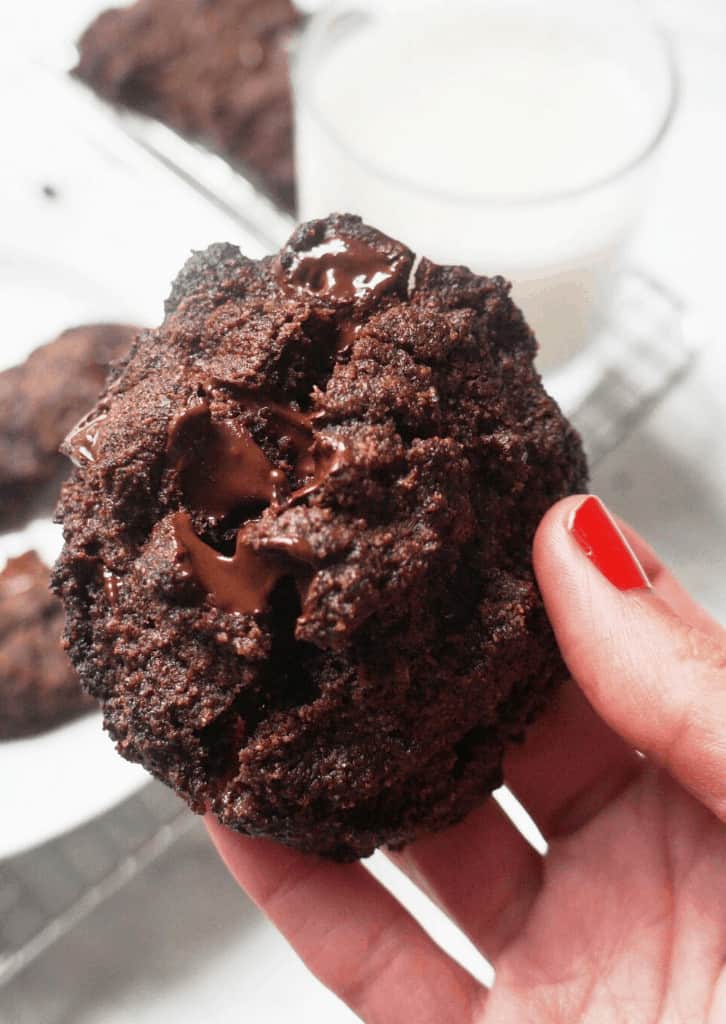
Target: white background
pixel 180 943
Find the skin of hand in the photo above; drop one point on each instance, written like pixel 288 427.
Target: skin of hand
pixel 624 919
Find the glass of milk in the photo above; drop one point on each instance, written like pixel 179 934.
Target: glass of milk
pixel 515 136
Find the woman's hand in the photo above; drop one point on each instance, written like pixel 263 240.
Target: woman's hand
pixel 624 919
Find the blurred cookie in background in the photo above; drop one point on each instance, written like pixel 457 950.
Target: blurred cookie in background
pixel 38 686
pixel 215 70
pixel 40 401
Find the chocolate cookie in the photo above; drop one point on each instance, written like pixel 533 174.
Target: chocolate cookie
pixel 215 70
pixel 297 568
pixel 40 401
pixel 38 687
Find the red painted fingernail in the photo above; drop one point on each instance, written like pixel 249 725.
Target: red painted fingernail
pixel 600 538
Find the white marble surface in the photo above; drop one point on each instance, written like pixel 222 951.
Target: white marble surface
pixel 180 943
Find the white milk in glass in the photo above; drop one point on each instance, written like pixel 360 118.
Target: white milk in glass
pixel 497 137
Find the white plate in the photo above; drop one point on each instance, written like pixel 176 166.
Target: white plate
pixel 54 782
pixel 104 245
pixel 58 780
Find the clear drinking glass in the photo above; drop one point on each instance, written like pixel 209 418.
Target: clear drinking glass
pixel 513 136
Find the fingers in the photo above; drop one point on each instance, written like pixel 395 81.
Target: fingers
pixel 352 934
pixel 658 679
pixel 651 669
pixel 570 766
pixel 481 872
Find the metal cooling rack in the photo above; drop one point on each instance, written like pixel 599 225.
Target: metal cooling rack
pixel 641 351
pixel 640 356
pixel 45 893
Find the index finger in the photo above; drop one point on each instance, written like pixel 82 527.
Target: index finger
pixel 657 679
pixel 352 934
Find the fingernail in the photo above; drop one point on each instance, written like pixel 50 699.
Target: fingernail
pixel 600 538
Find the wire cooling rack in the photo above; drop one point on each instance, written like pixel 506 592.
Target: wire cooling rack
pixel 641 354
pixel 45 893
pixel 643 350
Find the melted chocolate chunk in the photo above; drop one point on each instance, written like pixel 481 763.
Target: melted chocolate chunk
pixel 244 582
pixel 221 465
pixel 226 467
pixel 344 269
pixel 354 271
pixel 287 425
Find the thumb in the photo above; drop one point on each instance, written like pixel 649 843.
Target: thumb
pixel 650 662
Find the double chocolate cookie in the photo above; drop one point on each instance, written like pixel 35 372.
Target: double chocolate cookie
pixel 38 687
pixel 215 70
pixel 40 401
pixel 297 569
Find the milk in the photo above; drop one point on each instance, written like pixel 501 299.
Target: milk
pixel 494 139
